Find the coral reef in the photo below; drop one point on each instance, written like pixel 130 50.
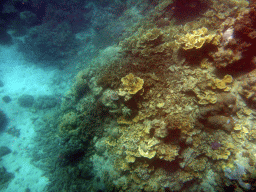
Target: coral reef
pixel 6 177
pixel 171 113
pixel 226 57
pixel 6 99
pixel 69 124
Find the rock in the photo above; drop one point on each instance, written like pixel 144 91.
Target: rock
pixel 26 100
pixel 4 151
pixel 6 99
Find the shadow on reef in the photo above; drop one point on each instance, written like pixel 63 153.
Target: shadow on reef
pixel 188 10
pixel 170 167
pixel 184 11
pixel 71 157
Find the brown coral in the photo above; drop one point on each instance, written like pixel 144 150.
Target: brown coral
pixel 226 57
pixel 218 116
pixel 145 42
pixel 248 88
pixel 239 52
pixel 220 122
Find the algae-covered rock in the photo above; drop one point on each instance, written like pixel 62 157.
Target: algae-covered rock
pixel 26 100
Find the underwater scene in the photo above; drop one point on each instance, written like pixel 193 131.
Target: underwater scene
pixel 127 95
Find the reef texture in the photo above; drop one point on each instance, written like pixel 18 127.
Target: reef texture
pixel 176 107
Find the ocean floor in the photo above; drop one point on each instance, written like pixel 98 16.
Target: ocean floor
pixel 21 78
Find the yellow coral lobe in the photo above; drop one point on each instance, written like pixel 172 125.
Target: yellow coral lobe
pixel 160 105
pixel 130 159
pixel 195 40
pixel 132 84
pixel 222 84
pixel 201 31
pixel 199 43
pixel 228 79
pixel 147 154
